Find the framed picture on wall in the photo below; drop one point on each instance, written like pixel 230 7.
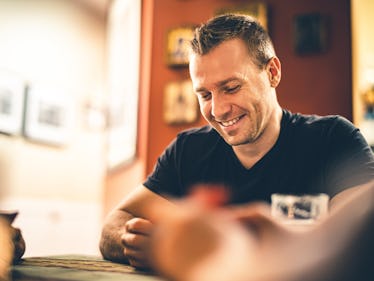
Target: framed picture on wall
pixel 49 116
pixel 257 10
pixel 310 33
pixel 178 46
pixel 12 96
pixel 180 103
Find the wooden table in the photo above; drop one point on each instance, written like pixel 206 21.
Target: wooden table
pixel 76 268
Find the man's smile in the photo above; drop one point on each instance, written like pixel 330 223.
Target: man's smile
pixel 230 122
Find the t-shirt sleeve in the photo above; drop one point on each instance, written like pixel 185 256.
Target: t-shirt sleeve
pixel 164 178
pixel 350 161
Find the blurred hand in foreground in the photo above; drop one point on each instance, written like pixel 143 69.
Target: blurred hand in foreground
pixel 206 242
pixel 18 243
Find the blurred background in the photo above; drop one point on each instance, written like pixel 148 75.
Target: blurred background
pixel 89 96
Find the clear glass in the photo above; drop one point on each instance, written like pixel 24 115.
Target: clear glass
pixel 299 209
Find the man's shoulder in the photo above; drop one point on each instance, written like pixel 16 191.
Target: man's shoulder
pixel 317 122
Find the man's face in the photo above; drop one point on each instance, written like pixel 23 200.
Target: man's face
pixel 235 96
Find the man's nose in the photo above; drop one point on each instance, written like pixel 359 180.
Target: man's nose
pixel 220 106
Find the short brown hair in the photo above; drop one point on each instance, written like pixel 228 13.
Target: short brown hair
pixel 230 26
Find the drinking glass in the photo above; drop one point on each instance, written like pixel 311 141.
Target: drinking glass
pixel 299 210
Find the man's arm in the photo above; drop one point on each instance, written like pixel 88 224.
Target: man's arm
pixel 343 197
pixel 350 160
pixel 111 246
pixel 125 232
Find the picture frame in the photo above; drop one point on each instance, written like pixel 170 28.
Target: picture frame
pixel 180 103
pixel 257 10
pixel 310 33
pixel 48 116
pixel 12 98
pixel 178 46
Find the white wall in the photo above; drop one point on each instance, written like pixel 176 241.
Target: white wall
pixel 56 45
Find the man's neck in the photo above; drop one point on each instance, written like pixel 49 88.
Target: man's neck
pixel 249 154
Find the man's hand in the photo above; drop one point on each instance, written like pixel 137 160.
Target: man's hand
pixel 19 244
pixel 136 242
pixel 126 229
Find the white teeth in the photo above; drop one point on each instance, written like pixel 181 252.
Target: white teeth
pixel 230 123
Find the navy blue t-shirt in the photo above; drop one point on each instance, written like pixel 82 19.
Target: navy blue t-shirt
pixel 313 154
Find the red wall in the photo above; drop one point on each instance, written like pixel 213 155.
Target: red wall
pixel 319 83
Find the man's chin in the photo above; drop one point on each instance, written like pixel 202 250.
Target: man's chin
pixel 235 141
pixel 232 140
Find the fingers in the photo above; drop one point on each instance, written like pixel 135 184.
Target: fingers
pixel 19 244
pixel 16 235
pixel 181 241
pixel 136 242
pixel 139 226
pixel 135 250
pixel 136 258
pixel 252 212
pixel 209 195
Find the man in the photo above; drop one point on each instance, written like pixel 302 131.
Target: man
pixel 252 147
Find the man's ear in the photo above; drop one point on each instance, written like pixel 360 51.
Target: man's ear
pixel 274 70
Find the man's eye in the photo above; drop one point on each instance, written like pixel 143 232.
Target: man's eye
pixel 205 96
pixel 232 89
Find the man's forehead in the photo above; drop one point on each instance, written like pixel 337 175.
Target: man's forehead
pixel 210 82
pixel 207 71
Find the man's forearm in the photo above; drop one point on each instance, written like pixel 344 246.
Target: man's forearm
pixel 341 198
pixel 111 246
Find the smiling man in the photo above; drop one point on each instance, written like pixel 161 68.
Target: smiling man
pixel 252 146
pixel 237 97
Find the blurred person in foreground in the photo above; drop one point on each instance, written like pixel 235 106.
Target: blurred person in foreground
pixel 252 145
pixel 12 244
pixel 192 243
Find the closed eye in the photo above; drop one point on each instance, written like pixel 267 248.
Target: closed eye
pixel 204 95
pixel 231 90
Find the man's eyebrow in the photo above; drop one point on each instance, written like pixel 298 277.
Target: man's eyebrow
pixel 200 89
pixel 228 80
